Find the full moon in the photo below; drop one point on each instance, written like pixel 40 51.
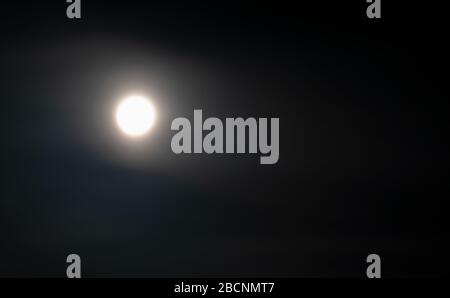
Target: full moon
pixel 135 116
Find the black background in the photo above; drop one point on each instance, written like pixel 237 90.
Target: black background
pixel 363 139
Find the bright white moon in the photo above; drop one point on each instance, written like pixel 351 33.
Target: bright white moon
pixel 135 116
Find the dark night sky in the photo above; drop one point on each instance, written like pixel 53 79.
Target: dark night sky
pixel 364 149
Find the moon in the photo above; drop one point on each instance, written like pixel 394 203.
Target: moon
pixel 135 116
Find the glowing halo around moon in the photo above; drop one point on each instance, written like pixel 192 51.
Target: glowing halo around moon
pixel 135 116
